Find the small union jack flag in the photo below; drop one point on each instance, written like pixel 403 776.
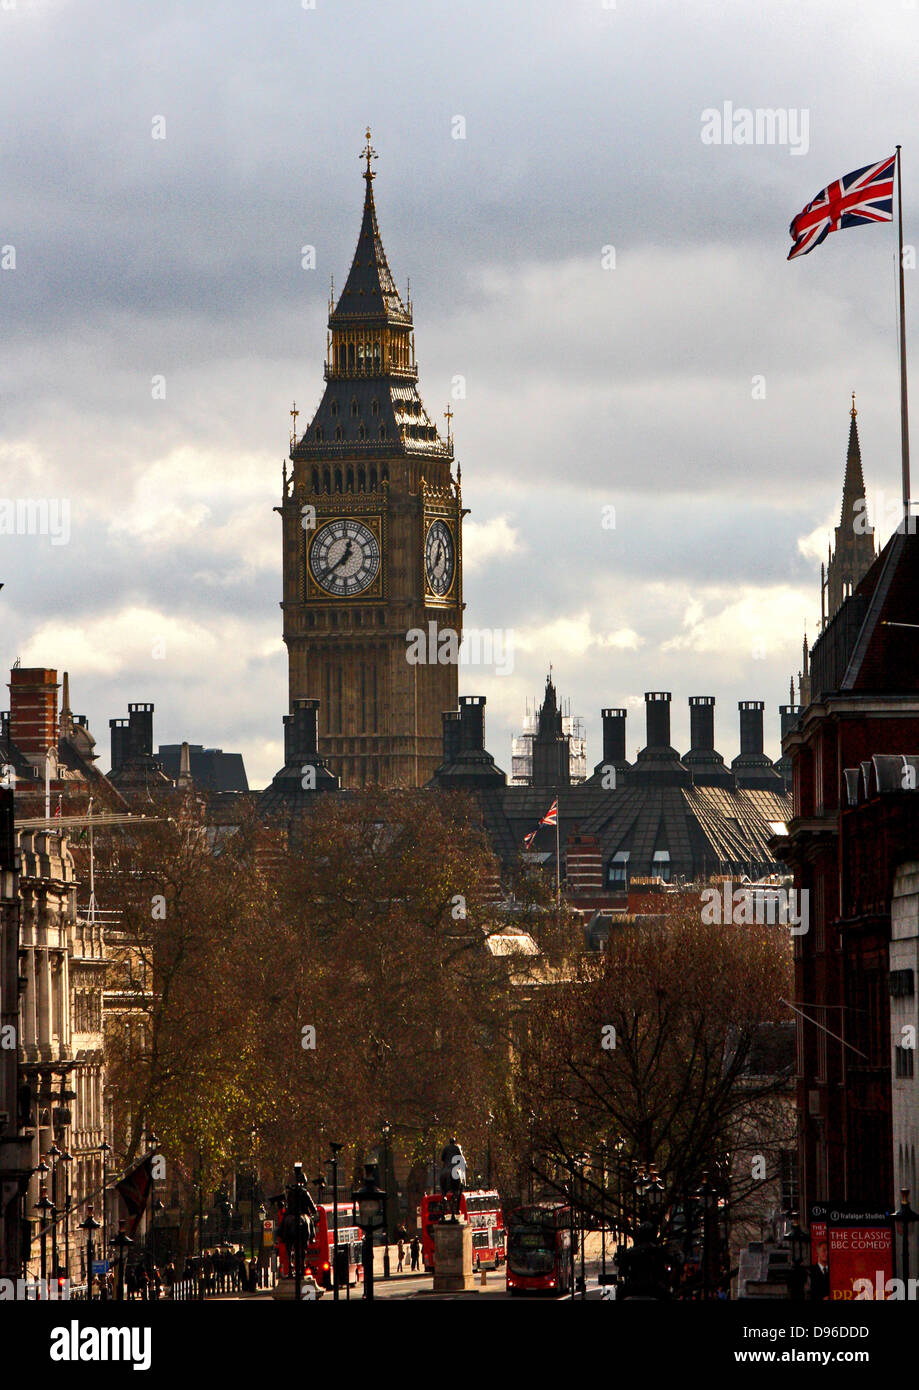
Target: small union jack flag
pixel 528 839
pixel 551 816
pixel 852 201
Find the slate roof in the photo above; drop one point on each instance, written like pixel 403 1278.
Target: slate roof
pixel 370 291
pixel 705 830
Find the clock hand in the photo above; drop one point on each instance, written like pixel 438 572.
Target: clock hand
pixel 343 557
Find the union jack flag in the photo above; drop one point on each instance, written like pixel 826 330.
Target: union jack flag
pixel 852 201
pixel 551 816
pixel 528 839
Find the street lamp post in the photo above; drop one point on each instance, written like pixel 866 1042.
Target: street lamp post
pixel 44 1205
pixel 798 1244
pixel 121 1242
pixel 320 1189
pixel 54 1154
pixel 336 1149
pixel 105 1150
pixel 602 1147
pixel 905 1218
pixel 66 1160
pixel 386 1131
pixel 89 1225
pixel 707 1198
pixel 582 1187
pixel 369 1201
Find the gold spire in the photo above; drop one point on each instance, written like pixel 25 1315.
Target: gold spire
pixel 853 412
pixel 293 415
pixel 368 153
pixel 448 416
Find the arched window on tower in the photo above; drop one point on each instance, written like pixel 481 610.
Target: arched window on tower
pixel 376 354
pixel 351 357
pixel 374 407
pixel 315 479
pixel 326 480
pixel 361 432
pixel 354 406
pixel 338 432
pixel 361 479
pixel 338 480
pixel 373 478
pixel 349 480
pixel 318 434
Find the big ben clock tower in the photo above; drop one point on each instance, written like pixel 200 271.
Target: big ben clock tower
pixel 372 519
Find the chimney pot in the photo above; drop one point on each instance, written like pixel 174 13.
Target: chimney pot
pixel 751 726
pixel 657 715
pixel 702 723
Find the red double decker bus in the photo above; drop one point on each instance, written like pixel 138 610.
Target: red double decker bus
pixel 482 1210
pixel 317 1257
pixel 539 1249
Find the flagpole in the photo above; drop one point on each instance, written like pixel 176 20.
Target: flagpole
pixel 558 858
pixel 904 411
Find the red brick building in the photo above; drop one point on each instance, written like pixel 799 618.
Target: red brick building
pixel 855 822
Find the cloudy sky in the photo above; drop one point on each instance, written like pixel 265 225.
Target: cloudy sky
pixel 157 323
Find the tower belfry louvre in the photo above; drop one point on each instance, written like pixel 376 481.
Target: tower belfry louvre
pixel 372 517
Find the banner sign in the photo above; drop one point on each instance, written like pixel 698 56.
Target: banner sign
pixel 859 1247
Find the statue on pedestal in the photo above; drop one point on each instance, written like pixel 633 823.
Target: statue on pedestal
pixel 452 1177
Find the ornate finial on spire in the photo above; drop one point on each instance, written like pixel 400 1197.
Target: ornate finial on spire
pixel 791 691
pixel 448 416
pixel 853 412
pixel 368 153
pixel 294 412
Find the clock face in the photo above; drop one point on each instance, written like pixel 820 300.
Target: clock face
pixel 439 558
pixel 344 558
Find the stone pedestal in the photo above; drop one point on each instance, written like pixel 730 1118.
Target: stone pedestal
pixel 453 1257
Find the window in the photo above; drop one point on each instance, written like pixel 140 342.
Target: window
pixel 354 407
pixel 361 432
pixel 903 1061
pixel 660 868
pixel 617 875
pixel 335 407
pixel 902 984
pixel 375 407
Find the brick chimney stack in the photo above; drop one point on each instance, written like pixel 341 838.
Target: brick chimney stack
pixel 33 711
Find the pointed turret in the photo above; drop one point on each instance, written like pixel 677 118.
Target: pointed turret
pixel 804 678
pixel 551 747
pixel 854 551
pixel 370 292
pixel 371 407
pixel 66 722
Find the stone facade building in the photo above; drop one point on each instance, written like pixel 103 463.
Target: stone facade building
pixel 372 544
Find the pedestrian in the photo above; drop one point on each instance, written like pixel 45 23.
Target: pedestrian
pixel 400 1266
pixel 415 1250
